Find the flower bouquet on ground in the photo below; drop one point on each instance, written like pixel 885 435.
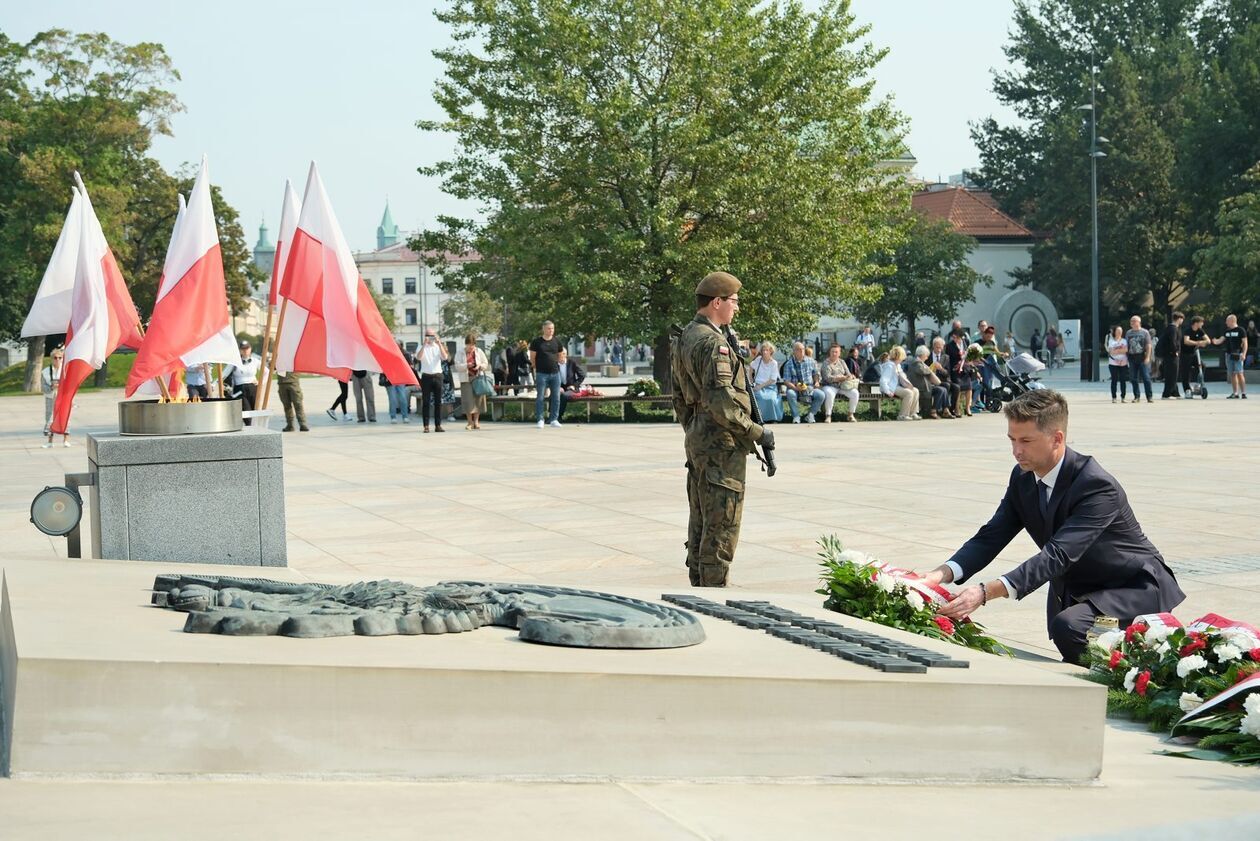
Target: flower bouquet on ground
pixel 1199 682
pixel 860 585
pixel 646 387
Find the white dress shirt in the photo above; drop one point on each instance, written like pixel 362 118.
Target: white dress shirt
pixel 1049 479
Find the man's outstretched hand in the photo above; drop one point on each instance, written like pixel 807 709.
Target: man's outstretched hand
pixel 965 603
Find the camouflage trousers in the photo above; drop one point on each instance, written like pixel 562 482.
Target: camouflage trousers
pixel 715 495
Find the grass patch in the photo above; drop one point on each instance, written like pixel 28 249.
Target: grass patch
pixel 117 367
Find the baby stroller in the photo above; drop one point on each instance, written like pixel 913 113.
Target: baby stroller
pixel 1198 387
pixel 1014 377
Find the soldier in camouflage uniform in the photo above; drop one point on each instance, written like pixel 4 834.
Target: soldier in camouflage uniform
pixel 713 404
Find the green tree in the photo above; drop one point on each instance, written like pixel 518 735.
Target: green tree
pixel 1150 83
pixel 387 306
pixel 70 102
pixel 472 311
pixel 1230 267
pixel 623 149
pixel 926 276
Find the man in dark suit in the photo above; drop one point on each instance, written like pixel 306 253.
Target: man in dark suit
pixel 572 375
pixel 1093 553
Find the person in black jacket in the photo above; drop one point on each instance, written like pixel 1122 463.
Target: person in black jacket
pixel 1169 348
pixel 572 375
pixel 1093 553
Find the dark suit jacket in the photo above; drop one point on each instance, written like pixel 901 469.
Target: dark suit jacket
pixel 575 374
pixel 1170 341
pixel 1092 548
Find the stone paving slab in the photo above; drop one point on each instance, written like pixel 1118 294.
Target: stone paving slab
pixel 909 492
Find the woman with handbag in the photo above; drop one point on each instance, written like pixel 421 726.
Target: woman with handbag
pixel 476 382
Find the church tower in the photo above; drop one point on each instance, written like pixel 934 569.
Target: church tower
pixel 387 232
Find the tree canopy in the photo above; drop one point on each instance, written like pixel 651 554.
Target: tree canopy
pixel 1178 98
pixel 622 149
pixel 86 102
pixel 927 275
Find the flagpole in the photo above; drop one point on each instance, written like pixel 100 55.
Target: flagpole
pixel 271 310
pixel 271 368
pixel 161 383
pixel 222 388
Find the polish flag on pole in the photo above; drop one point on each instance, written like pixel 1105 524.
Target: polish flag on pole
pixel 320 276
pixel 174 385
pixel 102 316
pixel 302 340
pixel 191 322
pixel 50 311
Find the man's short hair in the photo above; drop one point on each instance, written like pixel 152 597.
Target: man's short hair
pixel 546 323
pixel 703 301
pixel 921 352
pixel 1178 314
pixel 1045 407
pixel 1198 319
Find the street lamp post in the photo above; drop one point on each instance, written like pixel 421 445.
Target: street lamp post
pixel 1094 154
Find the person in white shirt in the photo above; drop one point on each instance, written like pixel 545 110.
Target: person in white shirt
pixel 50 381
pixel 244 379
pixel 893 382
pixel 431 355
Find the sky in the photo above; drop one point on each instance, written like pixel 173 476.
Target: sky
pixel 268 87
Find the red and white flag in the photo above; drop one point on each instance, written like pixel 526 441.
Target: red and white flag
pixel 303 341
pixel 50 311
pixel 320 277
pixel 102 315
pixel 191 322
pixel 174 383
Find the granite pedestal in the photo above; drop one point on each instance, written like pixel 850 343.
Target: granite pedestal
pixel 203 498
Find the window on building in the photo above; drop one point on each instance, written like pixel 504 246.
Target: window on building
pixel 410 315
pixel 411 346
pixel 409 285
pixel 387 286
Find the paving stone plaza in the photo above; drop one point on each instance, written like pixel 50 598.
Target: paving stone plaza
pixel 603 506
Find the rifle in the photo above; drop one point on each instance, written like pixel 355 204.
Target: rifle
pixel 766 454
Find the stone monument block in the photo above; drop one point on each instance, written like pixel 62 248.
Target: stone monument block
pixel 201 498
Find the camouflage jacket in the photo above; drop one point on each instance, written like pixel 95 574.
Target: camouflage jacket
pixel 711 386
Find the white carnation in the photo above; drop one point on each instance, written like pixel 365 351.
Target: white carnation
pixel 1157 633
pixel 1190 702
pixel 1226 652
pixel 853 556
pixel 1108 640
pixel 885 582
pixel 914 599
pixel 1250 725
pixel 1240 639
pixel 1252 703
pixel 1129 678
pixel 1163 648
pixel 1186 665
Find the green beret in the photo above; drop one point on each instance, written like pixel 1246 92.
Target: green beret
pixel 718 285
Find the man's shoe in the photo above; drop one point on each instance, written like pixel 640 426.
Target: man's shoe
pixel 361 420
pixel 796 420
pixel 541 424
pixel 1232 397
pixel 406 419
pixel 1243 395
pixel 1149 400
pixel 288 428
pixel 1113 400
pixel 304 428
pixel 426 429
pixel 810 419
pixel 555 424
pixel 439 429
pixel 330 414
pixel 393 420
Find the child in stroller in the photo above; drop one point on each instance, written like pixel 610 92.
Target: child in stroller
pixel 1013 377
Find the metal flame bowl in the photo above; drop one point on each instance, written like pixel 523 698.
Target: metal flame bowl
pixel 151 417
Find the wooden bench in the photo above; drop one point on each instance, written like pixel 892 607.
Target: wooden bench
pixel 498 403
pixel 868 393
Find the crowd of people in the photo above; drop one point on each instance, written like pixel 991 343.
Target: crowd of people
pixel 1132 353
pixel 946 377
